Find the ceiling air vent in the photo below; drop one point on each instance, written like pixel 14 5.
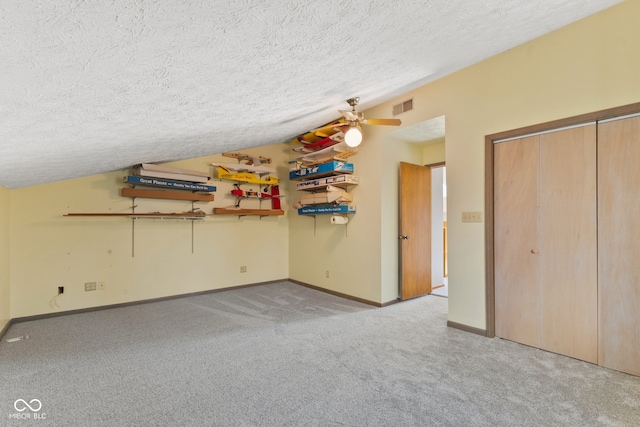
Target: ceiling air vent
pixel 403 107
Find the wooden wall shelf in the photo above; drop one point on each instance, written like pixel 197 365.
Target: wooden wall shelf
pixel 243 212
pixel 157 215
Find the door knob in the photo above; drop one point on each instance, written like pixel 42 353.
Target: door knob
pixel 403 237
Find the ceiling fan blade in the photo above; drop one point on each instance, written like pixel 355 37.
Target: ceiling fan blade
pixel 386 122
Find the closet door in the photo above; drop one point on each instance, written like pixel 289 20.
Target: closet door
pixel 545 246
pixel 567 254
pixel 619 244
pixel 517 293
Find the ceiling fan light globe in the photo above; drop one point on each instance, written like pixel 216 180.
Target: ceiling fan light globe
pixel 353 137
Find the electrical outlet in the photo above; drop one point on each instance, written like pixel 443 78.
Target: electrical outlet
pixel 327 274
pixel 471 216
pixel 243 269
pixel 60 290
pixel 90 286
pixel 101 286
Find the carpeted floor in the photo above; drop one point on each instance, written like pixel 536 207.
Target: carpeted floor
pixel 285 355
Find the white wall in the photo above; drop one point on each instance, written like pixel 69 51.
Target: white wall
pixel 433 153
pixel 437 236
pixel 50 250
pixel 5 308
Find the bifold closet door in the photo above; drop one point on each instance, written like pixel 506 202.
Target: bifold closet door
pixel 517 293
pixel 567 255
pixel 545 247
pixel 619 244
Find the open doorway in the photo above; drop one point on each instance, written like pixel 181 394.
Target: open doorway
pixel 439 230
pixel 429 135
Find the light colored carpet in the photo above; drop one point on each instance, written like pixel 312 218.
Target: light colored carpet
pixel 285 355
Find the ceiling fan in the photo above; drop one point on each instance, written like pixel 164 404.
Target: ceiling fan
pixel 350 124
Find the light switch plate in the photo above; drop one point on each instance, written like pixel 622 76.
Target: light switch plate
pixel 471 216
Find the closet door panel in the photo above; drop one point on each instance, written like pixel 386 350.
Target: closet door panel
pixel 517 308
pixel 619 244
pixel 568 243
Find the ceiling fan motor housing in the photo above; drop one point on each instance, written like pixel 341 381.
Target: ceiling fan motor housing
pixel 353 101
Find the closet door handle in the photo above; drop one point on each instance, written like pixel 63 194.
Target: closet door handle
pixel 534 251
pixel 403 237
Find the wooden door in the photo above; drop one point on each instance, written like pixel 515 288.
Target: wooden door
pixel 517 294
pixel 415 230
pixel 567 254
pixel 619 245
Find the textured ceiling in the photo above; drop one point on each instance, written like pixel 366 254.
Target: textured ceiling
pixel 89 86
pixel 423 133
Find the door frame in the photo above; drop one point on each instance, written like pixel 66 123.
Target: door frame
pixel 489 186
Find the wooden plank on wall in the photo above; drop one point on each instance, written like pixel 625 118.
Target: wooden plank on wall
pixel 242 212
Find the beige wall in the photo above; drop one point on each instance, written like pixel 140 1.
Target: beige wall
pixel 394 152
pixel 5 312
pixel 49 250
pixel 351 252
pixel 587 66
pixel 580 68
pixel 364 256
pixel 434 152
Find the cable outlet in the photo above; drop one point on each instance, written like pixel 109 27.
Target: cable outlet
pixel 90 286
pixel 243 269
pixel 101 286
pixel 60 290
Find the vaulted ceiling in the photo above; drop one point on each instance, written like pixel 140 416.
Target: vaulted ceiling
pixel 88 87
